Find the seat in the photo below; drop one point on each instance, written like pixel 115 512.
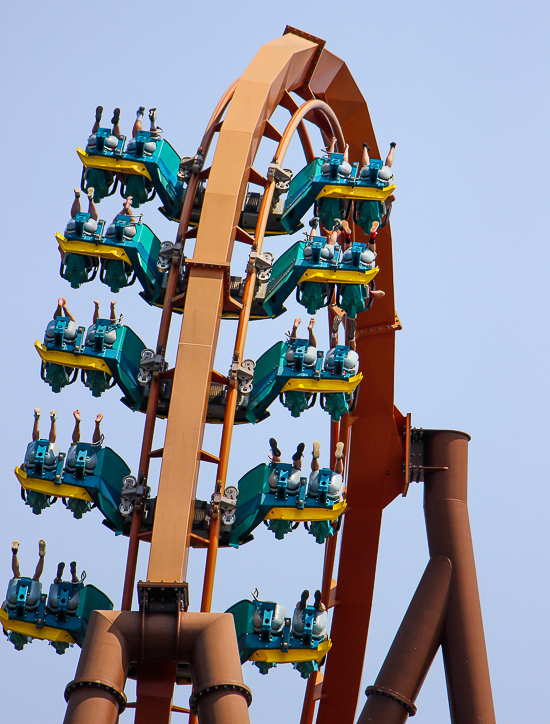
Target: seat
pixel 336 166
pixel 23 595
pixel 70 330
pixel 309 357
pixel 109 338
pixel 140 147
pixel 376 173
pixel 308 622
pixel 342 361
pixel 326 254
pixel 81 456
pixel 335 485
pixel 116 232
pixel 291 477
pixel 269 618
pixel 47 454
pixel 97 142
pixel 63 596
pixel 366 258
pixel 74 229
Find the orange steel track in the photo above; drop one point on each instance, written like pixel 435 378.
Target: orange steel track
pixel 299 64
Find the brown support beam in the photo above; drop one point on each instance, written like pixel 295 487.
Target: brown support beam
pixel 376 456
pixel 448 528
pixel 115 639
pixel 391 698
pixel 278 66
pixel 155 689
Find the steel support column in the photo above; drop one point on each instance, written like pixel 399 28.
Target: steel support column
pixel 391 699
pixel 448 528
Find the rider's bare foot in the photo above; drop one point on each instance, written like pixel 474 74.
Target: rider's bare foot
pixel 76 415
pixel 345 227
pixel 374 227
pixel 41 548
pixel 377 293
pixel 62 302
pixel 311 324
pixel 99 417
pixel 113 304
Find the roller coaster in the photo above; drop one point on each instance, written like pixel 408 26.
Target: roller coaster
pixel 343 264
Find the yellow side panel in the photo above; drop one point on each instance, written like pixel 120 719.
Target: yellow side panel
pixel 108 163
pixel 47 633
pixel 359 193
pixel 81 361
pixel 307 513
pixel 82 247
pixel 293 656
pixel 50 488
pixel 306 384
pixel 343 276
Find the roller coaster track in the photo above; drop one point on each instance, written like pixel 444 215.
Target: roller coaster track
pixel 293 66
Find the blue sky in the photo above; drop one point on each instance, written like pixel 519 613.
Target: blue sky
pixel 462 88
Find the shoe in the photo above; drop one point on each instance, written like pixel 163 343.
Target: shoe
pixel 303 600
pixel 140 112
pixel 365 145
pixel 15 546
pixel 41 548
pixel 152 114
pixel 299 451
pixel 77 192
pixel 352 327
pixel 60 569
pixel 90 192
pixel 73 572
pixel 337 225
pixel 317 605
pixel 37 413
pixel 339 452
pixel 314 222
pixel 316 450
pixel 98 113
pixel 393 144
pixel 53 415
pixel 335 324
pixel 116 116
pixel 274 449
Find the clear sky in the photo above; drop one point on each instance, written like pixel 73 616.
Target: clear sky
pixel 462 88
